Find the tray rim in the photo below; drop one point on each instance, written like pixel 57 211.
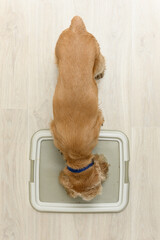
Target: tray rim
pixel 45 134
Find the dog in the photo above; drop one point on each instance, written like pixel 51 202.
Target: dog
pixel 77 117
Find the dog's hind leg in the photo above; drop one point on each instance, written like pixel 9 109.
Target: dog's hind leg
pixel 99 67
pixel 100 118
pixel 98 124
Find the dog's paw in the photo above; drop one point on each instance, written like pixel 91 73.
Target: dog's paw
pixel 102 122
pixel 60 152
pixel 99 76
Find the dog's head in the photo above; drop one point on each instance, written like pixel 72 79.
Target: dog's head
pixel 86 184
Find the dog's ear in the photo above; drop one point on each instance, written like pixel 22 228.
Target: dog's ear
pixel 104 166
pixel 64 180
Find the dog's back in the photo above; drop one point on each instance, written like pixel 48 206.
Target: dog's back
pixel 75 102
pixel 77 118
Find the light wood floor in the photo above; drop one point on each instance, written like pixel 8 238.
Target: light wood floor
pixel 129 35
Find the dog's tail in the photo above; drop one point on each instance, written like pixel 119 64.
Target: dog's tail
pixel 77 24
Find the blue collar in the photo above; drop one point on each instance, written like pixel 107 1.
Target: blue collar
pixel 81 169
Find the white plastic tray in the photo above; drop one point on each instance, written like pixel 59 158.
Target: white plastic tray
pixel 46 194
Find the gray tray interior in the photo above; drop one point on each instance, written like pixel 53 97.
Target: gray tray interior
pixel 51 163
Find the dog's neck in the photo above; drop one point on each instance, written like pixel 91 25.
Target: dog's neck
pixel 79 170
pixel 79 163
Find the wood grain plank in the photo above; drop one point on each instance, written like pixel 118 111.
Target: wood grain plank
pixel 145 64
pixel 13 174
pixel 145 184
pixel 14 54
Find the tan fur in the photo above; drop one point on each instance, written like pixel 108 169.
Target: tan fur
pixel 77 118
